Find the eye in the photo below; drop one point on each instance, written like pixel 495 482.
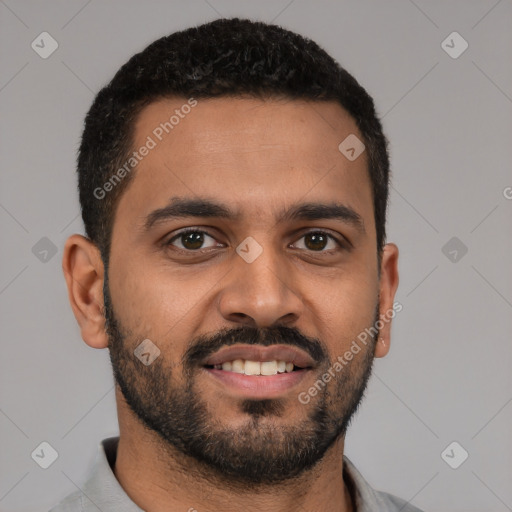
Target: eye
pixel 317 241
pixel 191 239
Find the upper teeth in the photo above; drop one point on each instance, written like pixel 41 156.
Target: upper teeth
pixel 255 367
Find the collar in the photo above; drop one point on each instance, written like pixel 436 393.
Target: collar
pixel 102 490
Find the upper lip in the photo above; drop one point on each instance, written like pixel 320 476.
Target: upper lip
pixel 260 353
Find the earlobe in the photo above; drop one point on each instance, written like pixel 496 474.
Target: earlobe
pixel 387 288
pixel 83 270
pixel 381 347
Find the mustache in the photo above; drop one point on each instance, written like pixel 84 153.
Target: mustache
pixel 205 345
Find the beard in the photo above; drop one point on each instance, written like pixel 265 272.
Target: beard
pixel 258 451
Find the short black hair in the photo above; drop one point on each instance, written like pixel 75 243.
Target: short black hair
pixel 226 57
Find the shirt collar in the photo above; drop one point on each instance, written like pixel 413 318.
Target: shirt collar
pixel 103 491
pixel 364 497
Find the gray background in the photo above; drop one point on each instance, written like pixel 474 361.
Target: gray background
pixel 447 377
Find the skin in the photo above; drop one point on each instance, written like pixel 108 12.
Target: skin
pixel 257 156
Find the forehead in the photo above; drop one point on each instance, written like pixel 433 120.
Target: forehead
pixel 252 154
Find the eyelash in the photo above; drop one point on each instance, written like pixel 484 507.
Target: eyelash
pixel 168 243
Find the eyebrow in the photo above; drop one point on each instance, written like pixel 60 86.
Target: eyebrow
pixel 180 207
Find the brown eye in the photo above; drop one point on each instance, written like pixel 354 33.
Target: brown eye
pixel 191 240
pixel 318 241
pixel 315 241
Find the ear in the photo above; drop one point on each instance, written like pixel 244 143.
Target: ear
pixel 388 285
pixel 83 270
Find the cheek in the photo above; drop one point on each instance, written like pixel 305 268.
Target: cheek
pixel 347 310
pixel 156 303
pixel 142 302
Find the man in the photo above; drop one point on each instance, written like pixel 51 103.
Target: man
pixel 233 180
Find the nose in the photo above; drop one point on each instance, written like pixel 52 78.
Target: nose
pixel 262 293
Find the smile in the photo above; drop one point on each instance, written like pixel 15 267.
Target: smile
pixel 249 367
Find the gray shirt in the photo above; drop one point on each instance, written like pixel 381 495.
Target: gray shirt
pixel 103 492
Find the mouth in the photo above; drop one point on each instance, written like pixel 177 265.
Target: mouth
pixel 248 367
pixel 260 360
pixel 258 372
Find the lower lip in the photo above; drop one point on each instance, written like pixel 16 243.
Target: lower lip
pixel 258 386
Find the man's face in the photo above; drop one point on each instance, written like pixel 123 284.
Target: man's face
pixel 260 286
